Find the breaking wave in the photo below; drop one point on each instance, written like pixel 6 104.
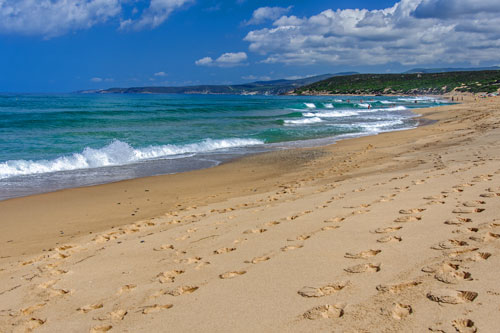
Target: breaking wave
pixel 116 153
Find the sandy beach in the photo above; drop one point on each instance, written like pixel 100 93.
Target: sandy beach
pixel 398 232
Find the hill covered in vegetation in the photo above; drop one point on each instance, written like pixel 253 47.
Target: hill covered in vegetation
pixel 421 83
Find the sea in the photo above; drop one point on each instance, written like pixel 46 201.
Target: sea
pixel 55 141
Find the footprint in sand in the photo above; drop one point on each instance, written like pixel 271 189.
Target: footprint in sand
pixel 189 261
pixel 450 296
pixel 102 328
pixel 490 236
pixel 467 210
pixel 60 292
pixel 231 275
pixel 458 221
pixel 489 195
pixel 362 254
pixel 300 237
pixel 401 311
pixel 458 253
pixel 126 288
pixel 29 310
pixel 403 219
pixel 477 256
pixel 104 238
pixel 116 315
pixel 475 203
pixel 397 288
pixel 436 202
pixel 323 290
pixel 156 308
pixel 182 290
pixel 390 239
pixel 47 284
pixel 386 230
pixel 324 312
pixel 334 220
pixel 411 211
pixel 90 307
pixel 363 268
pixel 169 276
pixel 164 247
pixel 453 277
pixel 330 227
pixel 254 231
pixel 224 250
pixel 272 223
pixel 291 247
pixel 464 326
pixel 257 260
pixel 34 323
pixel 435 197
pixel 449 244
pixel 441 267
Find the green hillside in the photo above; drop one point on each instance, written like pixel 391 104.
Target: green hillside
pixel 422 83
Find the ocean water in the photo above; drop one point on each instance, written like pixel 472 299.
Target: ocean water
pixel 50 142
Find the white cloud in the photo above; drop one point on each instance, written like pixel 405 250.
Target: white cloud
pixel 232 58
pixel 262 14
pixel 411 32
pixel 50 18
pixel 206 61
pixel 225 60
pixel 157 12
pixel 160 74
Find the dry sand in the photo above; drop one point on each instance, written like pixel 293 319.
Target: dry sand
pixel 398 232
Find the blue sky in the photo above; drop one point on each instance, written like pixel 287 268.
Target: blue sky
pixel 63 46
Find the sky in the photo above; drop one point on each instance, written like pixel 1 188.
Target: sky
pixel 70 45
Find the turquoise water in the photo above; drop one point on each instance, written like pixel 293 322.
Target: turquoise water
pixel 56 141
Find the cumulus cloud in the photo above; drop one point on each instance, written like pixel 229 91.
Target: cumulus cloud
pixel 225 60
pixel 157 12
pixel 411 32
pixel 263 14
pixel 206 61
pixel 161 74
pixel 52 18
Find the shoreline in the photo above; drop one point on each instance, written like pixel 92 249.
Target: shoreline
pixel 219 158
pixel 244 238
pixel 120 215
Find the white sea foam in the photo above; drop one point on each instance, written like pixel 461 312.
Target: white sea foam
pixel 310 105
pixel 306 121
pixel 332 114
pixel 380 125
pixel 386 102
pixel 363 105
pixel 328 105
pixel 337 100
pixel 395 108
pixel 417 98
pixel 116 153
